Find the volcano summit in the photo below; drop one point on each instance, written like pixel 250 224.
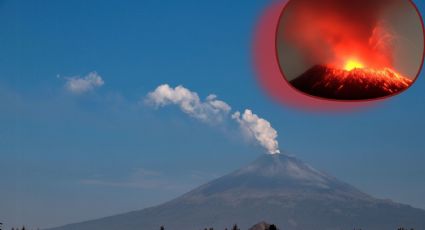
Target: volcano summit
pixel 278 189
pixel 354 84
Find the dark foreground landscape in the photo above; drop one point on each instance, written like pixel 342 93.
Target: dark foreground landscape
pixel 277 189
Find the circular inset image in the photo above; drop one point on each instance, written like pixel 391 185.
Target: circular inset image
pixel 350 50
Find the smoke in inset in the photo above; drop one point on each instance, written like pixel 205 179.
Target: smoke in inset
pixel 340 33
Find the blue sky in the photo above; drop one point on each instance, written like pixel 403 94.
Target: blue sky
pixel 67 157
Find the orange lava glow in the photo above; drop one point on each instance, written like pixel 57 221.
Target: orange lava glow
pixel 353 64
pixel 343 39
pixel 388 79
pixel 328 81
pixel 354 71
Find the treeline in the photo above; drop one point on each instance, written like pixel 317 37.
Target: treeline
pixel 274 227
pixel 14 228
pixel 235 227
pixel 402 228
pixel 23 228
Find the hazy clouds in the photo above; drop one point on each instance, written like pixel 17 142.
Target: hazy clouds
pixel 80 85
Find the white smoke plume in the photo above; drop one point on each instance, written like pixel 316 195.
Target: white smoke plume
pixel 79 85
pixel 258 128
pixel 214 111
pixel 210 110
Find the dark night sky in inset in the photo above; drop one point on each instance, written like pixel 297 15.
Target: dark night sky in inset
pixel 399 17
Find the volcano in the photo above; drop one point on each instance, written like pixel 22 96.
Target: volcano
pixel 278 189
pixel 355 84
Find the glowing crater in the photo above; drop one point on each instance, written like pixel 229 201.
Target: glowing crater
pixel 353 64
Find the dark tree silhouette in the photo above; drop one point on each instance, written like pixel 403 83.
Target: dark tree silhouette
pixel 162 228
pixel 272 227
pixel 235 227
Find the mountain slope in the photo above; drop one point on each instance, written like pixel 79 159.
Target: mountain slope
pixel 357 84
pixel 278 189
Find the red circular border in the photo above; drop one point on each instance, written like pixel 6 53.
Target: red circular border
pixel 270 76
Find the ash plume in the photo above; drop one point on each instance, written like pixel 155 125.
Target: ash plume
pixel 258 128
pixel 209 110
pixel 214 111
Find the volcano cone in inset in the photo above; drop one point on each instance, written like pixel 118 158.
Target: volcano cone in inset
pixel 278 189
pixel 357 84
